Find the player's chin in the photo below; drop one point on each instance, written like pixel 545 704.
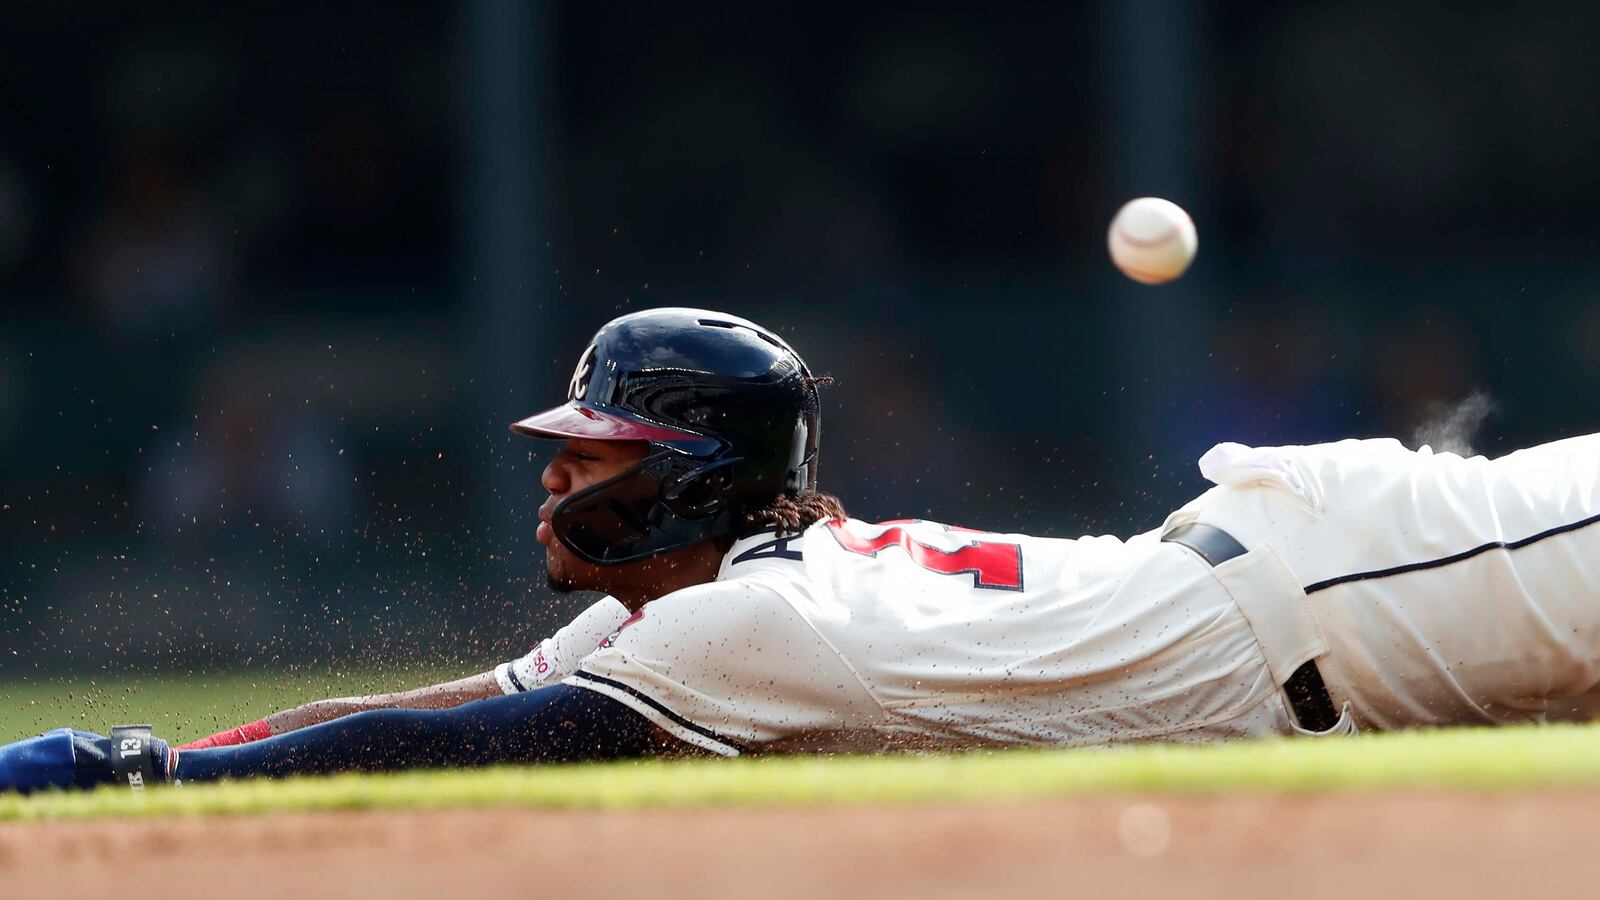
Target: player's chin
pixel 560 568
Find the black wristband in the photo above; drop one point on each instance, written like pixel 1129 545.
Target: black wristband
pixel 132 762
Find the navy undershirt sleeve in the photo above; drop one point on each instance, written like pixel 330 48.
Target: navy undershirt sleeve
pixel 550 725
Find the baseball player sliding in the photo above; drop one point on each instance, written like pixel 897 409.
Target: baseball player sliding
pixel 1317 590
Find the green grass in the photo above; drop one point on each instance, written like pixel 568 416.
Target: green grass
pixel 1471 759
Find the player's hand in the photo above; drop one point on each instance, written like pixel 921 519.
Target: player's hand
pixel 244 734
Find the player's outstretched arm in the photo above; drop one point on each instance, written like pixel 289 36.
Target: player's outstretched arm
pixel 433 696
pixel 550 725
pixel 551 660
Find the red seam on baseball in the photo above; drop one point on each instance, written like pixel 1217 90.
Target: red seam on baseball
pixel 1172 231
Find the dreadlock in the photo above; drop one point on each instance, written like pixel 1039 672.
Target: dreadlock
pixel 792 515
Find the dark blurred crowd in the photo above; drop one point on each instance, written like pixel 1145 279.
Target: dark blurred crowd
pixel 240 417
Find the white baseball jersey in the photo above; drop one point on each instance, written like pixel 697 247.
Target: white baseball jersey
pixel 914 634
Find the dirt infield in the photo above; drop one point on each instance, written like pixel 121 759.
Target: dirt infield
pixel 1337 846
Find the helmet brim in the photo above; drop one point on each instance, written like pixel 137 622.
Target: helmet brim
pixel 578 420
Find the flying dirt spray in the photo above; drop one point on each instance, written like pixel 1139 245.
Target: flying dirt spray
pixel 1451 427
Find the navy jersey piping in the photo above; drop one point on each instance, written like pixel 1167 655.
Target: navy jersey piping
pixel 1454 558
pixel 656 705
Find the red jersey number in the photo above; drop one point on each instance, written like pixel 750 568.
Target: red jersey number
pixel 992 564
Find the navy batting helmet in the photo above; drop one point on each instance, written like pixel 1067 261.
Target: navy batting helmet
pixel 731 415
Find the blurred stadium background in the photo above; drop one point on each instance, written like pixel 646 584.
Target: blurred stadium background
pixel 276 280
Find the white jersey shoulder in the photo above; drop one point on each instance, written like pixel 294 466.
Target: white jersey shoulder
pixel 929 568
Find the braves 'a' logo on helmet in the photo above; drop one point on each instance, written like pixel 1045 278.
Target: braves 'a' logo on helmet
pixel 580 375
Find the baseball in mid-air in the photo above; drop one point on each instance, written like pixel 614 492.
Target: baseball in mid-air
pixel 1152 240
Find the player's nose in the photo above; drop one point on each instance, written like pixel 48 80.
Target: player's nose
pixel 554 478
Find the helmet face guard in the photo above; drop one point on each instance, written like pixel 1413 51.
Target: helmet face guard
pixel 729 410
pixel 664 502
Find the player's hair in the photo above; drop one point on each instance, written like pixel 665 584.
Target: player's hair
pixel 792 515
